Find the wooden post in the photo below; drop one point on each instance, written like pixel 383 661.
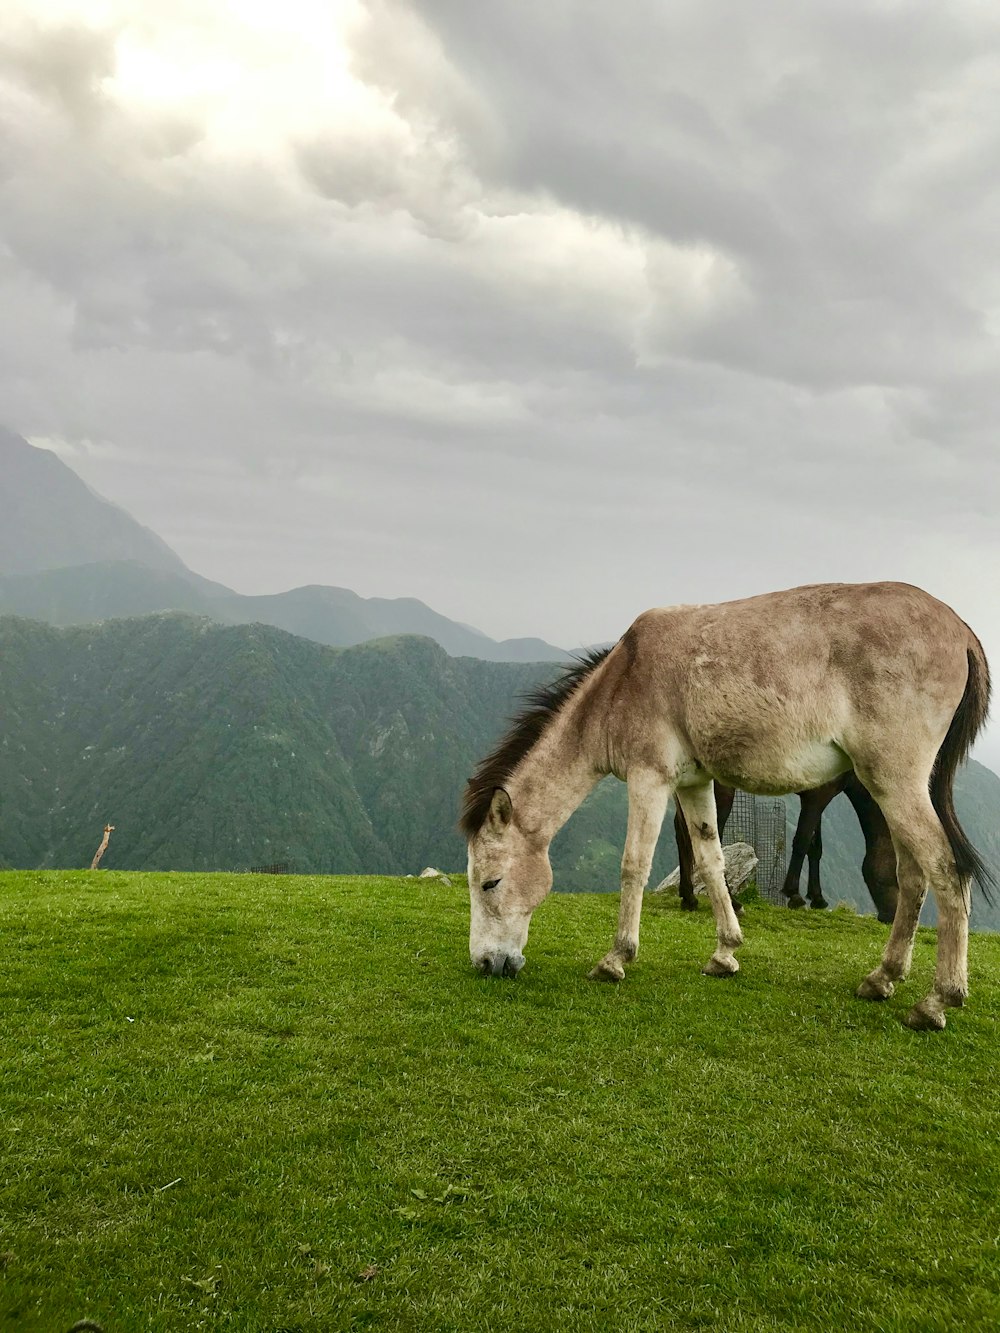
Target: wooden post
pixel 108 830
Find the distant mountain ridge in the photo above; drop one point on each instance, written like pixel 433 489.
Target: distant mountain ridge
pixel 69 557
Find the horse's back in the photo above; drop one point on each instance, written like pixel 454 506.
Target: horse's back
pixel 781 691
pixel 803 637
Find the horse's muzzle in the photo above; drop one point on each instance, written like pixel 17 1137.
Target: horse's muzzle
pixel 499 964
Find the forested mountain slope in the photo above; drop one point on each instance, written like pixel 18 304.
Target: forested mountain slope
pixel 213 746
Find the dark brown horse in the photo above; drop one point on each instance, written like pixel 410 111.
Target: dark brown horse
pixel 878 867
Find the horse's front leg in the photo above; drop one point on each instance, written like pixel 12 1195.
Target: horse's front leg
pixel 801 842
pixel 815 890
pixel 685 864
pixel 809 842
pixel 724 798
pixel 648 796
pixel 698 804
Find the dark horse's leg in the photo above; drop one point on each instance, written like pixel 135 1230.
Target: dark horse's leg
pixel 813 803
pixel 685 860
pixel 724 798
pixel 879 865
pixel 814 891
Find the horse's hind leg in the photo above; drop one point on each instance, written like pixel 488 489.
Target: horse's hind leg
pixel 951 973
pixel 648 796
pixel 923 857
pixel 698 804
pixel 896 959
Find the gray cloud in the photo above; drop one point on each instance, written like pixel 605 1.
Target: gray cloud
pixel 543 314
pixel 63 64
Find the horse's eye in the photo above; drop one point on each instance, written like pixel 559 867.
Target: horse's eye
pixel 490 884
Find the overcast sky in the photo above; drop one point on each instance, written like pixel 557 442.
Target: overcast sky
pixel 543 313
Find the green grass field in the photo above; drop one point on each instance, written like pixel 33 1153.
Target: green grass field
pixel 236 1102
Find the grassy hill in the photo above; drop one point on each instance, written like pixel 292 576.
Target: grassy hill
pixel 213 747
pixel 238 1102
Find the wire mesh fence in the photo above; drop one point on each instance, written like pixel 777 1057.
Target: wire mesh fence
pixel 760 821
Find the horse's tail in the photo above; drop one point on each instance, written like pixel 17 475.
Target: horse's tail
pixel 965 727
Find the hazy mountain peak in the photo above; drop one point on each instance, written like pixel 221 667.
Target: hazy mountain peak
pixel 53 519
pixel 70 557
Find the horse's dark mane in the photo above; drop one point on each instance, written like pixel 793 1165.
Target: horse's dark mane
pixel 541 705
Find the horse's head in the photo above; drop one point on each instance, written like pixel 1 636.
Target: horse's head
pixel 509 875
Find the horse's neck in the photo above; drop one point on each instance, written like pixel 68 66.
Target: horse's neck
pixel 553 779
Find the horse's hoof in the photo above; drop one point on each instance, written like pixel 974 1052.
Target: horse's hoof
pixel 737 908
pixel 607 970
pixel 819 902
pixel 687 906
pixel 874 988
pixel 721 967
pixel 796 900
pixel 923 1018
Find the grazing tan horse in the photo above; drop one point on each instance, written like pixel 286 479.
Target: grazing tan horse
pixel 773 694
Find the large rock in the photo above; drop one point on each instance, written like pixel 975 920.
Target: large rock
pixel 430 872
pixel 741 862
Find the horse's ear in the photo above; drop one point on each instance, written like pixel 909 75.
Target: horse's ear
pixel 501 811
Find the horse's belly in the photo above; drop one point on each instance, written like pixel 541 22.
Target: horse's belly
pixel 773 774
